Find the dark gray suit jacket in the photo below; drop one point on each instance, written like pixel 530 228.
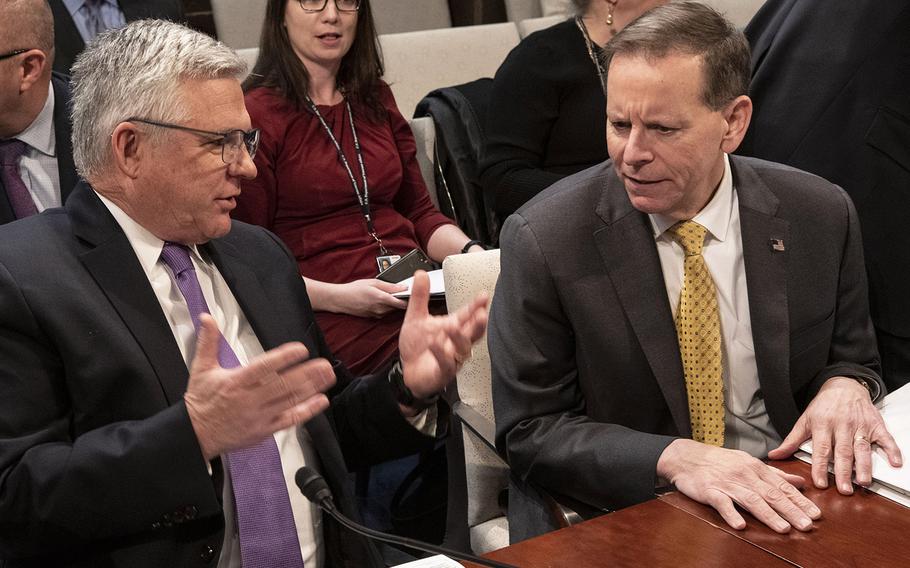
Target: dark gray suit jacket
pixel 831 87
pixel 62 135
pixel 68 43
pixel 99 463
pixel 588 387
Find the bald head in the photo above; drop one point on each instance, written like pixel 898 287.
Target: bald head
pixel 26 24
pixel 25 77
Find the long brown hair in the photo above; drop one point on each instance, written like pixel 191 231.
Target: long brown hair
pixel 278 67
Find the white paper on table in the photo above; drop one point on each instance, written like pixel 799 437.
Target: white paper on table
pixel 438 561
pixel 437 285
pixel 890 482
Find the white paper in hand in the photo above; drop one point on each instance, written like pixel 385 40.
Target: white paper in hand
pixel 437 285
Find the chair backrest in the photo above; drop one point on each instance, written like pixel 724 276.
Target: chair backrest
pixel 556 7
pixel 517 10
pixel 418 62
pixel 238 23
pixel 395 16
pixel 737 11
pixel 424 130
pixel 527 27
pixel 487 475
pixel 249 56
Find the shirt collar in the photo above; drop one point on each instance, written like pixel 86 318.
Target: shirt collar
pixel 74 6
pixel 146 245
pixel 40 133
pixel 715 216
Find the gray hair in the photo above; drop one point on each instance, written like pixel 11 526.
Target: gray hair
pixel 136 71
pixel 691 28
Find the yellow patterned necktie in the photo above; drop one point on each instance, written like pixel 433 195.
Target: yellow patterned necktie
pixel 698 330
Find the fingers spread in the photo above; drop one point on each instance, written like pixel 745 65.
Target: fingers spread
pixel 266 366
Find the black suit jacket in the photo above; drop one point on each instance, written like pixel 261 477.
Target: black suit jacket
pixel 831 87
pixel 99 464
pixel 68 43
pixel 63 135
pixel 588 385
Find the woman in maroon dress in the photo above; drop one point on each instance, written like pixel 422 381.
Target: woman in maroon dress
pixel 338 176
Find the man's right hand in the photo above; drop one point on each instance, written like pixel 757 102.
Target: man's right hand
pixel 236 408
pixel 723 478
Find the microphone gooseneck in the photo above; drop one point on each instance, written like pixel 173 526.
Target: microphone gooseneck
pixel 315 489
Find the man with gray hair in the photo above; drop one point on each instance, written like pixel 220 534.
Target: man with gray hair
pixel 163 374
pixel 36 158
pixel 675 315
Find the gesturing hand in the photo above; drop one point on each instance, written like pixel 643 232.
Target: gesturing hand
pixel 843 424
pixel 432 348
pixel 235 408
pixel 722 478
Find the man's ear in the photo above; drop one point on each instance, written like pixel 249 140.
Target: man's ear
pixel 127 145
pixel 32 68
pixel 738 115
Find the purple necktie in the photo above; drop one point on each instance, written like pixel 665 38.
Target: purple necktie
pixel 94 22
pixel 19 197
pixel 268 535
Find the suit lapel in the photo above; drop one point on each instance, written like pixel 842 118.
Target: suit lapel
pixel 763 235
pixel 62 132
pixel 259 309
pixel 626 246
pixel 112 263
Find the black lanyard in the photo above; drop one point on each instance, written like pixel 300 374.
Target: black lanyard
pixel 363 199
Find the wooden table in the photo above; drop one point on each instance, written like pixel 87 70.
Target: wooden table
pixel 859 530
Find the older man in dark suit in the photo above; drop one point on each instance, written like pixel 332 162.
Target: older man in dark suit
pixel 676 315
pixel 36 157
pixel 78 21
pixel 162 370
pixel 831 85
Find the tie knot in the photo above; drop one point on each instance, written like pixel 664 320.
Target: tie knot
pixel 177 257
pixel 10 151
pixel 690 236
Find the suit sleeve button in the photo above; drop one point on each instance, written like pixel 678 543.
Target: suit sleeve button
pixel 207 554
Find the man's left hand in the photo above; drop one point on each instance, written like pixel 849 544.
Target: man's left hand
pixel 433 348
pixel 843 424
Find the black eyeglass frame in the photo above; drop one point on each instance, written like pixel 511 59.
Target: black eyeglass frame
pixel 250 137
pixel 326 3
pixel 14 53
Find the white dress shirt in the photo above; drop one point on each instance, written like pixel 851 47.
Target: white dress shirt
pixel 294 445
pixel 747 424
pixel 38 166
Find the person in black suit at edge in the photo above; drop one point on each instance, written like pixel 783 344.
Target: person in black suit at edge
pixel 37 170
pixel 162 371
pixel 831 87
pixel 78 21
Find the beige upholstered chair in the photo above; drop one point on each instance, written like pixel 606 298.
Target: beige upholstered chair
pixel 737 11
pixel 518 10
pixel 424 130
pixel 395 16
pixel 418 62
pixel 487 475
pixel 527 27
pixel 238 23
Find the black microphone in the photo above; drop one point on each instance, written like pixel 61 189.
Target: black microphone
pixel 314 488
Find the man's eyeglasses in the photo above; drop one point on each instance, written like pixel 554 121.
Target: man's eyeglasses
pixel 232 142
pixel 319 5
pixel 13 53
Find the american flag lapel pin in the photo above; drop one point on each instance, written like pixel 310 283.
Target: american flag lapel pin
pixel 777 245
